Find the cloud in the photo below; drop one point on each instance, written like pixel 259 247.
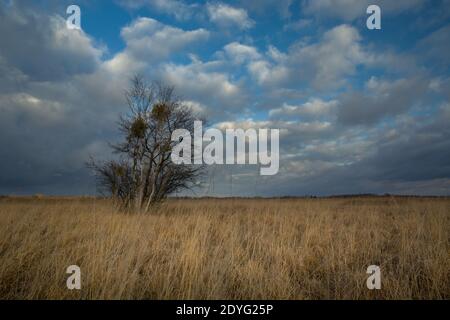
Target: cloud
pixel 328 62
pixel 196 107
pixel 381 99
pixel 436 46
pixel 149 43
pixel 268 74
pixel 44 138
pixel 42 47
pixel 408 157
pixel 178 9
pixel 205 83
pixel 324 64
pixel 313 108
pixel 150 40
pixel 240 53
pixel 227 16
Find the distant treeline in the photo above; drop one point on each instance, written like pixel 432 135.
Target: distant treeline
pixel 359 195
pixel 342 196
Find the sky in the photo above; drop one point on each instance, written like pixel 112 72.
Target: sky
pixel 359 110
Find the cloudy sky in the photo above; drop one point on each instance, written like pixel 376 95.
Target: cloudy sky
pixel 359 111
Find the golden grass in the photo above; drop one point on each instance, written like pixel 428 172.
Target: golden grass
pixel 226 249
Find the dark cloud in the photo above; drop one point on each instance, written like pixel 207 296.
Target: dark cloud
pixel 436 47
pixel 41 46
pixel 57 106
pixel 381 99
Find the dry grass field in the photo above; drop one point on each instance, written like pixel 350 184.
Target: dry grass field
pixel 226 249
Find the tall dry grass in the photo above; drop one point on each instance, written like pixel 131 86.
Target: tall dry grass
pixel 226 249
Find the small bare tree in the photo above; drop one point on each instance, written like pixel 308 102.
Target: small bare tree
pixel 145 173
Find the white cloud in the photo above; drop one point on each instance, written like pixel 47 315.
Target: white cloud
pixel 335 56
pixel 227 16
pixel 240 53
pixel 268 74
pixel 243 124
pixel 149 42
pixel 196 107
pixel 313 108
pixel 205 84
pixel 148 39
pixel 324 64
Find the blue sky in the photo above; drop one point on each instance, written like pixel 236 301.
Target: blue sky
pixel 360 111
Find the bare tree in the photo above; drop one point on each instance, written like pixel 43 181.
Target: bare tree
pixel 145 174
